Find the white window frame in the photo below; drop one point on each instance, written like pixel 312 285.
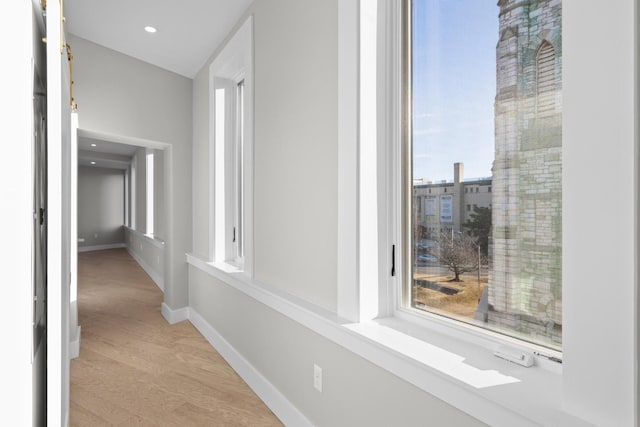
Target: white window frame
pixel 150 191
pixel 231 154
pixel 134 179
pixel 374 307
pixel 127 202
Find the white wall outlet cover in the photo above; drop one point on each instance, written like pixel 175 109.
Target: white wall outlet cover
pixel 317 377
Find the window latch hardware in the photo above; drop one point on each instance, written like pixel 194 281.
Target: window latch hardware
pixel 393 260
pixel 234 234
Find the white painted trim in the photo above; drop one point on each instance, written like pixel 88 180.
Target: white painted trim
pixel 348 133
pixel 74 344
pixel 538 388
pixel 174 316
pixel 122 139
pixel 158 243
pixel 101 247
pixel 155 276
pixel 270 395
pixel 235 62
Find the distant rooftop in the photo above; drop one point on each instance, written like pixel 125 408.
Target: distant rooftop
pixel 425 182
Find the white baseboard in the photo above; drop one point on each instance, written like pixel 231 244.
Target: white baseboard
pixel 174 316
pixel 270 395
pixel 74 344
pixel 155 276
pixel 101 247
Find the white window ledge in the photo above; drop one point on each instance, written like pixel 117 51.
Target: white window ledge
pixel 153 240
pixel 467 376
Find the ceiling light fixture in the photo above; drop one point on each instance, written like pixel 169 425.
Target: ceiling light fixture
pixel 93 163
pixel 93 145
pixel 150 29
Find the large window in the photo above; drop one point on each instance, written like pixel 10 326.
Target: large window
pixel 484 83
pixel 150 187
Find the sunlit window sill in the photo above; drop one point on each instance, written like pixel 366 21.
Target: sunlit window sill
pixel 465 375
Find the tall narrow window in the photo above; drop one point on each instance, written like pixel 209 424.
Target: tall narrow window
pixel 133 193
pixel 484 103
pixel 232 152
pixel 546 78
pixel 150 192
pixel 238 190
pixel 127 202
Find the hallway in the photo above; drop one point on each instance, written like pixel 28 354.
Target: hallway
pixel 136 369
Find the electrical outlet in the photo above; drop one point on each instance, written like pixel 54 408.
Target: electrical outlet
pixel 317 377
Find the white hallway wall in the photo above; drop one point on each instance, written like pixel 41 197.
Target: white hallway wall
pixel 119 95
pixel 100 206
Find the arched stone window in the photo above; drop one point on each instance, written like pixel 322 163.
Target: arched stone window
pixel 546 78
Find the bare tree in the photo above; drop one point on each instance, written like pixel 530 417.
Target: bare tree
pixel 459 253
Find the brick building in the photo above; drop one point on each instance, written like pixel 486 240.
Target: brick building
pixel 525 279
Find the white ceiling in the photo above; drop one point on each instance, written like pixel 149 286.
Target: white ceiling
pixel 104 154
pixel 188 30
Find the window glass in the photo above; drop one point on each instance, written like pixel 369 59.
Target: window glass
pixel 485 82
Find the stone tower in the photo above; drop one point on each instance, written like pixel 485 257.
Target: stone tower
pixel 525 281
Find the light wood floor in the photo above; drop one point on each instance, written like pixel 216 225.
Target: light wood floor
pixel 136 369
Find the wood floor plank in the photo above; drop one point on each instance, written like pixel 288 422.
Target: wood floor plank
pixel 135 369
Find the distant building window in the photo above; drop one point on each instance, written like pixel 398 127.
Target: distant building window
pixel 489 189
pixel 468 208
pixel 466 190
pixel 546 78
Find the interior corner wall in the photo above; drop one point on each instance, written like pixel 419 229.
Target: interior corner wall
pixel 100 206
pixel 120 95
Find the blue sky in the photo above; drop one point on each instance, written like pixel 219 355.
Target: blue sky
pixel 454 72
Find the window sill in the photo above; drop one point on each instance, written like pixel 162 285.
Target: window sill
pixel 466 375
pixel 152 239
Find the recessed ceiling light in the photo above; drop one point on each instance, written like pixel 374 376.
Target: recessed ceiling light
pixel 93 145
pixel 93 163
pixel 150 29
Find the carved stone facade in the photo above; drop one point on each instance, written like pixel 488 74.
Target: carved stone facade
pixel 525 283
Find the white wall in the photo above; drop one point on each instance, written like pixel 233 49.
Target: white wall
pixel 16 192
pixel 355 391
pixel 58 221
pixel 119 95
pixel 148 252
pixel 100 206
pixel 295 200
